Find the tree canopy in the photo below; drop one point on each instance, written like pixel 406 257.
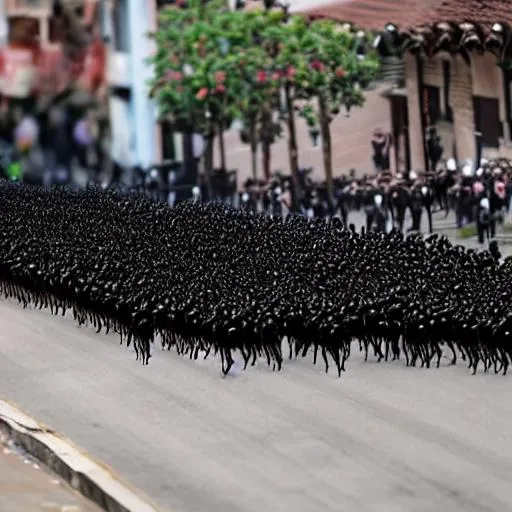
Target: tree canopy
pixel 214 65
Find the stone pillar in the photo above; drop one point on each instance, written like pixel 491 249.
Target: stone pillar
pixel 461 95
pixel 416 142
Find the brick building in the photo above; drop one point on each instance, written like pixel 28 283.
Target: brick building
pixel 458 70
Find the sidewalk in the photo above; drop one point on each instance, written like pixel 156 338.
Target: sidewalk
pixel 25 486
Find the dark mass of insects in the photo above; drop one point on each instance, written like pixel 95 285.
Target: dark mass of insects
pixel 208 279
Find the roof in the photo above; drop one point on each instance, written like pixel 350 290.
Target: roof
pixel 408 14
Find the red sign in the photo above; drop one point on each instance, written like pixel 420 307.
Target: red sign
pixel 18 69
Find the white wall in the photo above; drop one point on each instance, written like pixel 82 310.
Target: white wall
pixel 139 23
pixel 3 24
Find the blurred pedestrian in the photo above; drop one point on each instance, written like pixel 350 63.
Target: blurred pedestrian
pixel 60 152
pixel 84 139
pixel 381 143
pixel 434 148
pixel 26 140
pixel 484 220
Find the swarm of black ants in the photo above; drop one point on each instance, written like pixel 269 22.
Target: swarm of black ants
pixel 209 279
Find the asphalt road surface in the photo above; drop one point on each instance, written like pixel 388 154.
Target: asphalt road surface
pixel 383 438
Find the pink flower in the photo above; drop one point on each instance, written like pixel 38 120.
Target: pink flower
pixel 340 72
pixel 276 75
pixel 174 75
pixel 317 65
pixel 202 93
pixel 220 76
pixel 220 89
pixel 291 72
pixel 261 76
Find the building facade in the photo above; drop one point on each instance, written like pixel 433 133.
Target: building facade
pixel 458 75
pixel 467 99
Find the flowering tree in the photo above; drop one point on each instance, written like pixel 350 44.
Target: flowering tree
pixel 326 66
pixel 257 95
pixel 214 66
pixel 211 70
pixel 190 82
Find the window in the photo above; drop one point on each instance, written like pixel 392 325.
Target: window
pixel 487 121
pixel 448 113
pixel 432 104
pixel 23 28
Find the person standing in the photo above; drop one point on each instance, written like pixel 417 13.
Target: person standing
pixel 381 143
pixel 434 148
pixel 498 198
pixel 84 138
pixel 484 220
pixel 60 152
pixel 6 132
pixel 416 201
pixel 26 140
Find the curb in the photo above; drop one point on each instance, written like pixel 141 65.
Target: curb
pixel 94 481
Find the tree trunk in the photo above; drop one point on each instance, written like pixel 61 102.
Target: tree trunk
pixel 189 162
pixel 325 132
pixel 266 154
pixel 266 143
pixel 292 148
pixel 222 148
pixel 254 150
pixel 208 164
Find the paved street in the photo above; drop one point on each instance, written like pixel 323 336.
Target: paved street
pixel 383 438
pixel 27 487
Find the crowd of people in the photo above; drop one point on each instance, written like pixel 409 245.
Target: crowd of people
pixel 44 145
pixel 206 278
pixel 482 197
